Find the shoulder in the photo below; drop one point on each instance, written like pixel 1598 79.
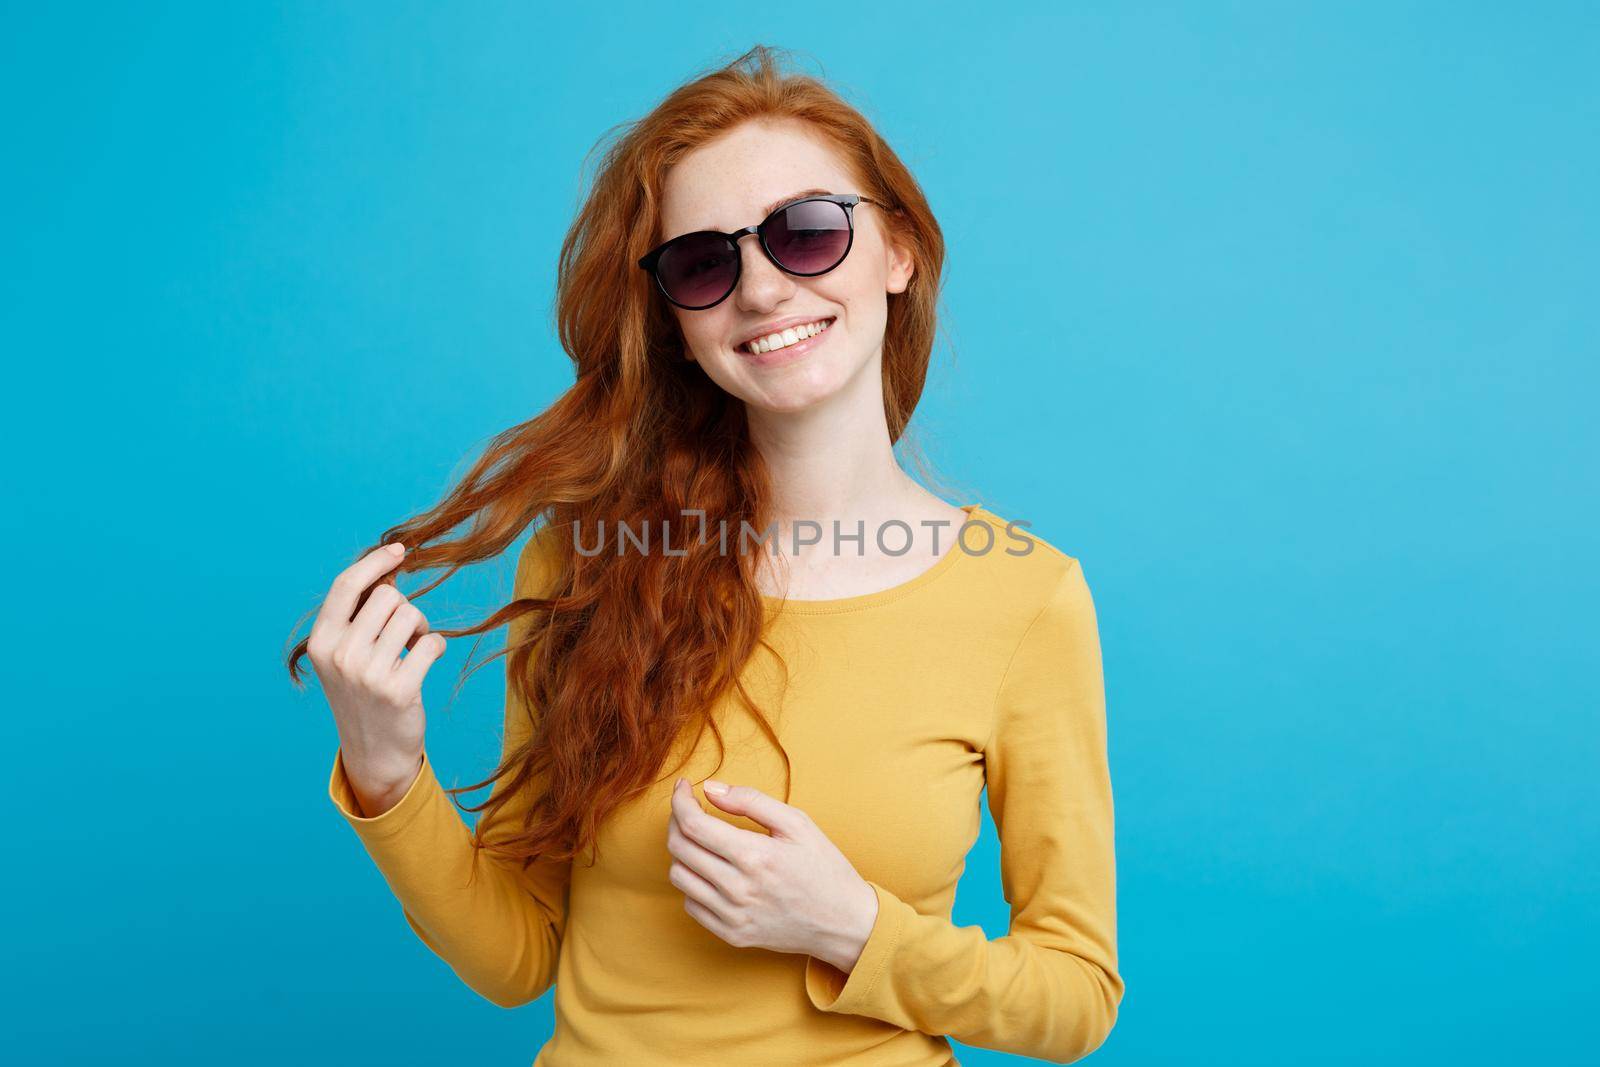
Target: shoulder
pixel 1021 569
pixel 540 560
pixel 1018 537
pixel 1019 586
pixel 1046 624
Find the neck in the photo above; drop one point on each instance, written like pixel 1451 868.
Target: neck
pixel 834 459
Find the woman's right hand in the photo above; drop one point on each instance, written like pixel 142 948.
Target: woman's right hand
pixel 375 694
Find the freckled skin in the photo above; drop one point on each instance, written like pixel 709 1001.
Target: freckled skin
pixel 724 185
pixel 792 891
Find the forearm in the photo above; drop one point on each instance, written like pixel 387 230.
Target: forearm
pixel 498 930
pixel 1048 994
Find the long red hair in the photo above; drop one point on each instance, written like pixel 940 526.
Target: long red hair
pixel 628 649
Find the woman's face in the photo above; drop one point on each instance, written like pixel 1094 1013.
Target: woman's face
pixel 731 183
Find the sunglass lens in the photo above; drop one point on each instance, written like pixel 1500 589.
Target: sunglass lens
pixel 698 270
pixel 809 237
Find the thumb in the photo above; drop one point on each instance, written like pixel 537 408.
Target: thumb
pixel 414 666
pixel 766 811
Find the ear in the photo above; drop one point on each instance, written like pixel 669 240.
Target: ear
pixel 901 266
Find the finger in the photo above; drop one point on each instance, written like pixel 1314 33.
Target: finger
pixel 706 830
pixel 700 891
pixel 708 865
pixel 340 604
pixel 414 666
pixel 783 820
pixel 406 622
pixel 708 918
pixel 382 603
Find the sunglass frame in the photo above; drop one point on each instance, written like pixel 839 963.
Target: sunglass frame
pixel 848 201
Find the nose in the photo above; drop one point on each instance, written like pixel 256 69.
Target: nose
pixel 761 283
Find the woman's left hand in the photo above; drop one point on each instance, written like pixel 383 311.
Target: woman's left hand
pixel 791 890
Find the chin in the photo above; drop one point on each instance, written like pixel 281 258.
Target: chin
pixel 779 389
pixel 797 392
pixel 787 403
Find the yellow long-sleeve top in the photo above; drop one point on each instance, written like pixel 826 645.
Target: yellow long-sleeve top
pixel 901 706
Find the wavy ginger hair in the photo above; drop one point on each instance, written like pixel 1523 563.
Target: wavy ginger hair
pixel 622 651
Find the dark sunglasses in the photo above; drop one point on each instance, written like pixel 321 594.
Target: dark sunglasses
pixel 807 237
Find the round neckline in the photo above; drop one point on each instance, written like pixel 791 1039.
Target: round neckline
pixel 947 560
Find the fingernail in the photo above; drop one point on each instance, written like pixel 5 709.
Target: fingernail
pixel 714 786
pixel 676 784
pixel 397 548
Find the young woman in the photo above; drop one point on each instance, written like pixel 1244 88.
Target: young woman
pixel 749 297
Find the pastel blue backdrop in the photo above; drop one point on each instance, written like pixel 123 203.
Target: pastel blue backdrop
pixel 1278 316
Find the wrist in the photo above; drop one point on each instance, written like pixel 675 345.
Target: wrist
pixel 380 786
pixel 844 948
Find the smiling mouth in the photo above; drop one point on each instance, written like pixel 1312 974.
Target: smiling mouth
pixel 777 342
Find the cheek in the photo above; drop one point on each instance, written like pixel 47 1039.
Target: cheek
pixel 701 338
pixel 856 285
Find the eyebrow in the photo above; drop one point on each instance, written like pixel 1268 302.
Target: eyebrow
pixel 775 205
pixel 801 195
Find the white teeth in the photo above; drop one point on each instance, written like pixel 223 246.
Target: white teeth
pixel 775 341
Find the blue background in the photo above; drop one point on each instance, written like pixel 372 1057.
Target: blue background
pixel 1278 316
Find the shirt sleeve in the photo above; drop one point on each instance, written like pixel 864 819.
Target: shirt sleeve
pixel 1049 988
pixel 497 925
